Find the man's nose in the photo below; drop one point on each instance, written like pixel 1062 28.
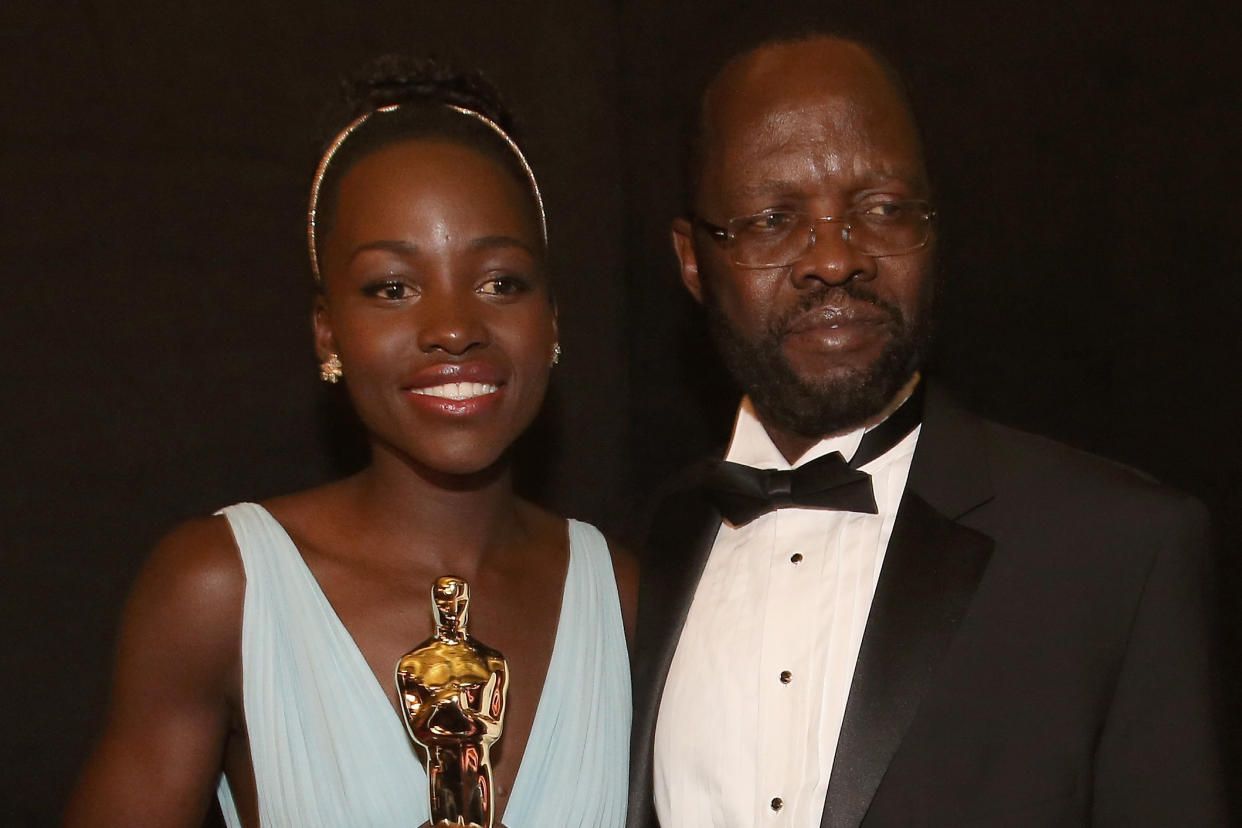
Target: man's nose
pixel 830 258
pixel 450 323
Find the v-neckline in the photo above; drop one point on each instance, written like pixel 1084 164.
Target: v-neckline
pixel 393 715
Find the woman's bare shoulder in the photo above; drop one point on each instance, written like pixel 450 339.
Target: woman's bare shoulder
pixel 199 556
pixel 175 685
pixel 198 561
pixel 192 588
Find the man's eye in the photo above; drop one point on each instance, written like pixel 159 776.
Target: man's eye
pixel 506 285
pixel 768 222
pixel 391 290
pixel 885 211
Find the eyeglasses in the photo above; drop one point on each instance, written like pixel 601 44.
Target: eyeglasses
pixel 776 238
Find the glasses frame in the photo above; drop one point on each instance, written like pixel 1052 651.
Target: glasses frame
pixel 726 238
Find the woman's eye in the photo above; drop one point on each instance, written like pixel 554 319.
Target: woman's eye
pixel 391 290
pixel 507 285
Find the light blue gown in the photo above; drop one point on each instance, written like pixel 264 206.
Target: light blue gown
pixel 329 749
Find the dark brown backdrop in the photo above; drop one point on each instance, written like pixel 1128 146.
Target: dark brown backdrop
pixel 156 358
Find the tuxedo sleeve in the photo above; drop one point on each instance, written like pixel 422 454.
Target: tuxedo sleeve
pixel 1158 760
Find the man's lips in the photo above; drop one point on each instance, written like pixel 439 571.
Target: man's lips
pixel 824 319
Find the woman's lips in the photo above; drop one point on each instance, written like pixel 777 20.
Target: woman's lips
pixel 456 399
pixel 456 388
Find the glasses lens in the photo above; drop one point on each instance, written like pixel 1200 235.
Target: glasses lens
pixel 891 228
pixel 769 239
pixel 776 239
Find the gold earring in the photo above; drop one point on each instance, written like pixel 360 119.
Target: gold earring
pixel 330 369
pixel 556 353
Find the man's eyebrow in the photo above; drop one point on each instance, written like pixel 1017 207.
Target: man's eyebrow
pixel 763 188
pixel 772 187
pixel 905 173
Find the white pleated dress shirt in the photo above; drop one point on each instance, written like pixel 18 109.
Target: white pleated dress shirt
pixel 756 691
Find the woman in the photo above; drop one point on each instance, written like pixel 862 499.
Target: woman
pixel 262 642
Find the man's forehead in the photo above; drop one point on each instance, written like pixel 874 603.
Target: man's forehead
pixel 789 125
pixel 800 68
pixel 815 125
pixel 805 100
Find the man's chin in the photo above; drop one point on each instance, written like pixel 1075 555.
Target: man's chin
pixel 820 377
pixel 818 360
pixel 829 400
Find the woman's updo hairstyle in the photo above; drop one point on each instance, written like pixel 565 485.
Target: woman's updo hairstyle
pixel 395 99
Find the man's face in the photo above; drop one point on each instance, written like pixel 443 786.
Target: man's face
pixel 824 344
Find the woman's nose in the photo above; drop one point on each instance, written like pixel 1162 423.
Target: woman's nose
pixel 450 323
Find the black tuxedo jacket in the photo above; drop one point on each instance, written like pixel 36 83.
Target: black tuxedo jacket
pixel 1037 651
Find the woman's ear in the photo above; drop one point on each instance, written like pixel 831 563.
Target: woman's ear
pixel 325 342
pixel 555 356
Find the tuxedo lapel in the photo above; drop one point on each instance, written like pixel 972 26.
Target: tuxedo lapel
pixel 930 572
pixel 931 569
pixel 683 533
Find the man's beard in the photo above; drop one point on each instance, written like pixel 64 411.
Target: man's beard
pixel 817 408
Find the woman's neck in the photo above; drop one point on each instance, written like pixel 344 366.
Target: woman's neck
pixel 457 519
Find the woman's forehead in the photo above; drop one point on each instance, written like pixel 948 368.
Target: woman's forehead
pixel 431 175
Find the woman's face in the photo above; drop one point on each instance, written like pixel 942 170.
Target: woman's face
pixel 437 301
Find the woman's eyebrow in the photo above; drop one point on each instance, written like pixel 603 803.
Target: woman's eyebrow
pixel 493 242
pixel 390 245
pixel 481 243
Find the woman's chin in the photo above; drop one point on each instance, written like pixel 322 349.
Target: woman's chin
pixel 465 470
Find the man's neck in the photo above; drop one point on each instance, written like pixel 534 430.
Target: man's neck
pixel 792 445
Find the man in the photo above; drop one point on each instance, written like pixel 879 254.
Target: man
pixel 962 625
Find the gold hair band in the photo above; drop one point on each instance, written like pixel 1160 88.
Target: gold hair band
pixel 357 124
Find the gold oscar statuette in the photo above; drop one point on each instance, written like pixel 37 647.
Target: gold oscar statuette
pixel 452 690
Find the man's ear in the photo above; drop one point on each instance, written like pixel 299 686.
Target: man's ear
pixel 325 342
pixel 683 246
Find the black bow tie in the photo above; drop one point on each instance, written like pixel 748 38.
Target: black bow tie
pixel 742 493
